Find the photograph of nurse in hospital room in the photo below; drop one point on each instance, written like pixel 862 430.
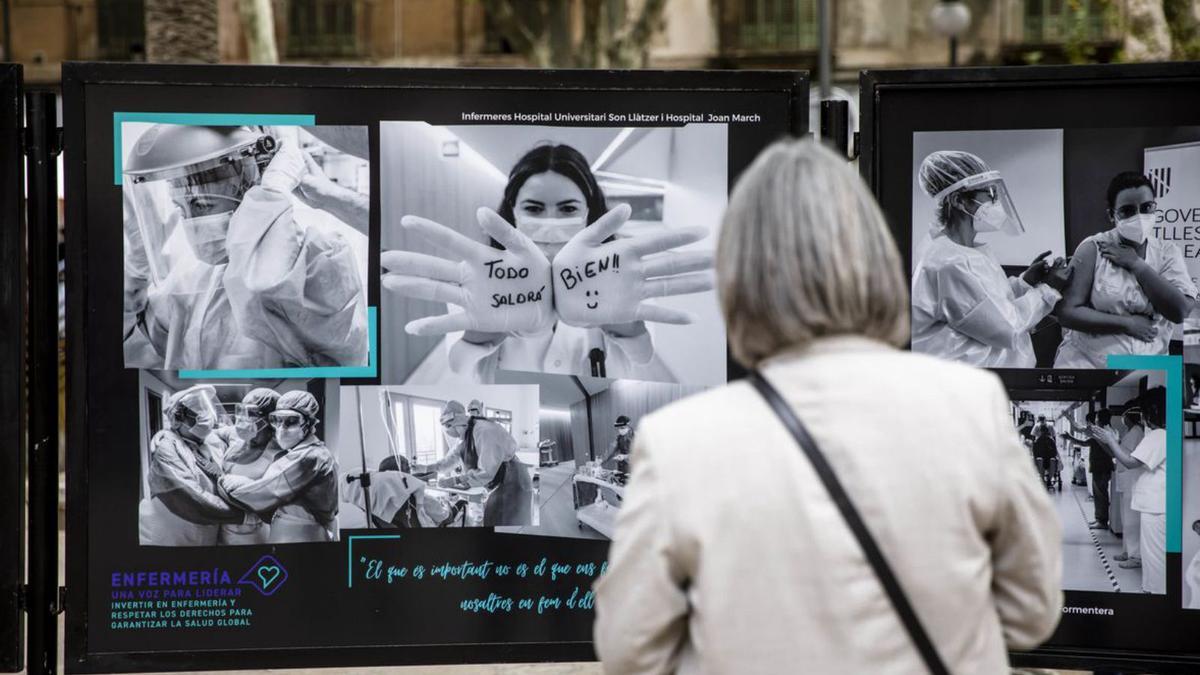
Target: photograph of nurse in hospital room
pixel 1099 445
pixel 233 463
pixel 438 456
pixel 990 229
pixel 582 251
pixel 587 451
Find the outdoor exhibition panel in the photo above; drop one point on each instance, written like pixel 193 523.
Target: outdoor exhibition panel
pixel 12 407
pixel 1049 220
pixel 356 354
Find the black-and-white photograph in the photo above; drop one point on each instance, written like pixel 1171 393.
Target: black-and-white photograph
pixel 1099 443
pixel 235 463
pixel 450 455
pixel 587 430
pixel 245 247
pixel 1050 248
pixel 571 250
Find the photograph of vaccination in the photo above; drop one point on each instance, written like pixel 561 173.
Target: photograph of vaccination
pixel 571 250
pixel 234 463
pixel 1053 248
pixel 438 456
pixel 245 247
pixel 585 452
pixel 1100 447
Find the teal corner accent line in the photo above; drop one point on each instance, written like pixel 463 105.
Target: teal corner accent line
pixel 200 119
pixel 319 372
pixel 350 553
pixel 1173 365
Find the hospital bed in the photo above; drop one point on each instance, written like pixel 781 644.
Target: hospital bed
pixel 598 513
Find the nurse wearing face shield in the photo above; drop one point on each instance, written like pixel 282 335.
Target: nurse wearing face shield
pixel 250 450
pixel 488 456
pixel 298 492
pixel 1130 288
pixel 182 507
pixel 547 296
pixel 260 289
pixel 965 307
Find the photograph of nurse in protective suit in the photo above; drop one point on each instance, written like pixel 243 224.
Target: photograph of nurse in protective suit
pixel 245 247
pixel 583 251
pixel 226 464
pixel 438 456
pixel 990 284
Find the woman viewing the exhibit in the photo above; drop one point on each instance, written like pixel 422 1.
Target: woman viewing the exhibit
pixel 546 295
pixel 704 576
pixel 1150 490
pixel 964 307
pixel 1129 289
pixel 299 490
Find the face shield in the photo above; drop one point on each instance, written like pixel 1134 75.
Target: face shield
pixel 196 411
pixel 985 198
pixel 194 178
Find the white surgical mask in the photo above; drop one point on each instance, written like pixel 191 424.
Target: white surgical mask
pixel 1137 228
pixel 248 430
pixel 549 230
pixel 206 234
pixel 990 217
pixel 289 438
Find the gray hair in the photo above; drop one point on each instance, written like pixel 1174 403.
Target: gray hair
pixel 805 253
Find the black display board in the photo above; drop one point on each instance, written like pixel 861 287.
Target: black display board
pixel 12 400
pixel 378 596
pixel 1058 135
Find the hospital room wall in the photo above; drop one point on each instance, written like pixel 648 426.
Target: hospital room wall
pixel 696 194
pixel 635 400
pixel 555 425
pixel 1091 158
pixel 1191 513
pixel 418 180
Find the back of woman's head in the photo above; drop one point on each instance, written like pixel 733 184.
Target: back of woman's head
pixel 1154 407
pixel 805 253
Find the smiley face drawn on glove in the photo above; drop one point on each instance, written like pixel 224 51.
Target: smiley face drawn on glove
pixel 590 304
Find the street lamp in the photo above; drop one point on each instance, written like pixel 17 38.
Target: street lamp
pixel 949 18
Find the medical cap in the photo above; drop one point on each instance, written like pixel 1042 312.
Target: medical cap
pixel 300 401
pixel 944 168
pixel 452 410
pixel 262 398
pixel 475 407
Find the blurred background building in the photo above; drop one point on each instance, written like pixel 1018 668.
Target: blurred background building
pixel 42 34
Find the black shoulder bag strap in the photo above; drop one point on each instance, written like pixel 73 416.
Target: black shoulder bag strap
pixel 870 549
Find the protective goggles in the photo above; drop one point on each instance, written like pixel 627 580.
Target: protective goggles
pixel 285 420
pixel 1127 211
pixel 200 406
pixel 244 413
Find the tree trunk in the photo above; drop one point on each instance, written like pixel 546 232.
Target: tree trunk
pixel 1147 36
pixel 258 24
pixel 182 31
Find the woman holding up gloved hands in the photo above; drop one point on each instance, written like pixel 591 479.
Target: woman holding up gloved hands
pixel 559 290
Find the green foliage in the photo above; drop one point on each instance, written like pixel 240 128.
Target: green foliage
pixel 1185 32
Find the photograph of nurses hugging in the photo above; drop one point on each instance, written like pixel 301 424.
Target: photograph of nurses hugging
pixel 571 250
pixel 238 462
pixel 1046 248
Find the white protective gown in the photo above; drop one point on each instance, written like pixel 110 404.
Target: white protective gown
pixel 182 507
pixel 1116 291
pixel 290 295
pixel 965 308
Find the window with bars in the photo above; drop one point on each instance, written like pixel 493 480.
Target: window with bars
pixel 775 26
pixel 121 30
pixel 325 28
pixel 1054 21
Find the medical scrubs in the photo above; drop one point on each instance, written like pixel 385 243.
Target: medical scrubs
pixel 1150 501
pixel 1116 291
pixel 298 492
pixel 182 507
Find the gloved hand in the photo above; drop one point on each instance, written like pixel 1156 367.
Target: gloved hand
pixel 1037 270
pixel 286 169
pixel 315 187
pixel 599 283
pixel 137 261
pixel 1140 328
pixel 1059 275
pixel 499 290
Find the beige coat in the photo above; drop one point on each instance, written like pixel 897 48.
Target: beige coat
pixel 730 557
